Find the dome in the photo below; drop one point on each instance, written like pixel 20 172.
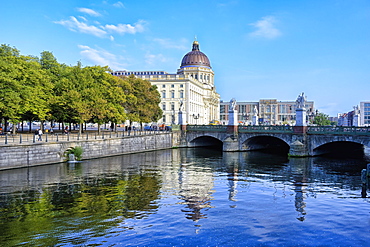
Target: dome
pixel 195 58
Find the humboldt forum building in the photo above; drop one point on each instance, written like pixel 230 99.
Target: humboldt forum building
pixel 192 89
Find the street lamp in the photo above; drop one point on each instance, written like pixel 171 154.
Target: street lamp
pixel 196 118
pixel 245 117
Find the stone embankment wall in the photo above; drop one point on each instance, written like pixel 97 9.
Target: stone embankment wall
pixel 24 155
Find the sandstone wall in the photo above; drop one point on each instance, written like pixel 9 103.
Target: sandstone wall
pixel 24 155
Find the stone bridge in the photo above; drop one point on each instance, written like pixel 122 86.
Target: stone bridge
pixel 294 140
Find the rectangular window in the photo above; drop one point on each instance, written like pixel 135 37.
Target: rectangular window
pixel 172 94
pixel 163 94
pixel 164 107
pixel 181 94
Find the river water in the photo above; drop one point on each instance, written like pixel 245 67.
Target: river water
pixel 187 197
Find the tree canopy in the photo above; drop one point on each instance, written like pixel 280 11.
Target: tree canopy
pixel 33 88
pixel 321 119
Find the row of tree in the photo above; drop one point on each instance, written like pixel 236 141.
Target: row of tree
pixel 42 89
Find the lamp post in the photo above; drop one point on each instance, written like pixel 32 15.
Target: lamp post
pixel 196 118
pixel 245 117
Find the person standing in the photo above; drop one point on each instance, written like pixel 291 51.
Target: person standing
pixel 40 135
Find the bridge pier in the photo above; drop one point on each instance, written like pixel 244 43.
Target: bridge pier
pixel 299 144
pixel 298 149
pixel 231 144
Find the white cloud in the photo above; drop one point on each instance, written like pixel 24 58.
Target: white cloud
pixel 78 26
pixel 88 11
pixel 265 28
pixel 100 57
pixel 82 26
pixel 118 5
pixel 127 28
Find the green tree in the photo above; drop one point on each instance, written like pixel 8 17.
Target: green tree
pixel 321 119
pixel 106 96
pixel 24 86
pixel 145 108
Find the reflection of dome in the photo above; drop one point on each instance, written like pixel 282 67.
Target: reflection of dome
pixel 195 58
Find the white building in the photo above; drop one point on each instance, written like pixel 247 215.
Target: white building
pixel 193 85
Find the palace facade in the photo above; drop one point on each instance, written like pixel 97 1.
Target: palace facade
pixel 269 112
pixel 192 88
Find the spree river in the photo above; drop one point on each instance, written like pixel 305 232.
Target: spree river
pixel 187 197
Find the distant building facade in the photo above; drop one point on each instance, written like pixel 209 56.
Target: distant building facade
pixel 365 113
pixel 269 112
pixel 192 87
pixel 359 116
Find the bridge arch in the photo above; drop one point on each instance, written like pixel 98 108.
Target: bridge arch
pixel 205 141
pixel 340 148
pixel 268 143
pixel 338 144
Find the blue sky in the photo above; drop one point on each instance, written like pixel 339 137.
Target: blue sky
pixel 270 49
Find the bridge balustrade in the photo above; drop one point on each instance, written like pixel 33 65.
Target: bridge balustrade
pixel 266 129
pixel 338 130
pixel 242 129
pixel 216 128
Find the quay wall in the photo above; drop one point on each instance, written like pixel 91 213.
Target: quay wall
pixel 42 153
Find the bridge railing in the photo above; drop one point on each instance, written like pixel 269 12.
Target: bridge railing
pixel 338 130
pixel 215 128
pixel 242 129
pixel 266 129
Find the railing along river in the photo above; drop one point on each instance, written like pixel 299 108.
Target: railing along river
pixel 29 138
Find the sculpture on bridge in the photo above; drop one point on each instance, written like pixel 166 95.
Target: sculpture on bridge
pixel 301 101
pixel 181 108
pixel 232 105
pixel 255 111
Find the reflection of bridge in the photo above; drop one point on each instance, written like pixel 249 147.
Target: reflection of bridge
pixel 295 140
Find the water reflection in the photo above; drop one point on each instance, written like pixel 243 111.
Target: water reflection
pixel 72 203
